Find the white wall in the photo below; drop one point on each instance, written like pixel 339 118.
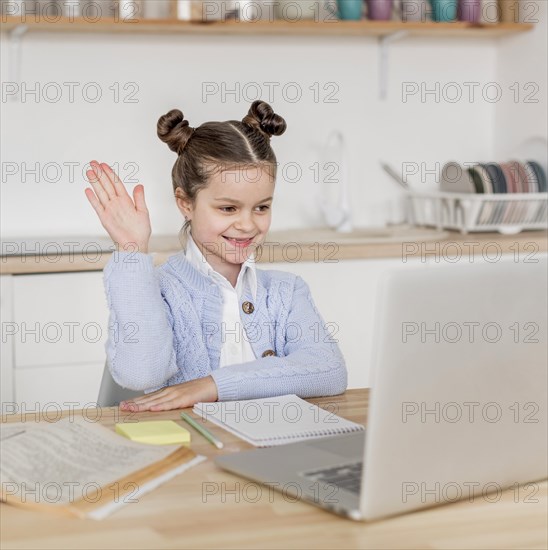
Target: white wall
pixel 170 71
pixel 522 60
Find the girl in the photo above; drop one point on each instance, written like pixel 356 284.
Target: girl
pixel 208 325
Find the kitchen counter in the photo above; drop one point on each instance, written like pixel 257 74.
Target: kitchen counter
pixel 91 254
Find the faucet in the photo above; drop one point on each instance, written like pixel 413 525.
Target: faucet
pixel 337 216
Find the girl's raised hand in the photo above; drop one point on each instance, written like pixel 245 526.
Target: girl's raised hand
pixel 126 220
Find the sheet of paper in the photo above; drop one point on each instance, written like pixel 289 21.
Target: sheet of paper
pixel 61 462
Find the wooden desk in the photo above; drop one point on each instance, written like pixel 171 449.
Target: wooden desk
pixel 180 515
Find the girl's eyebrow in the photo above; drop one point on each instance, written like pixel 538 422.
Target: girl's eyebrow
pixel 227 199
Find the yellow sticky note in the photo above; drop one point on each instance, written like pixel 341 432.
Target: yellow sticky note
pixel 155 432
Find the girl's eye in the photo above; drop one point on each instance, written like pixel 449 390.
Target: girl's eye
pixel 227 209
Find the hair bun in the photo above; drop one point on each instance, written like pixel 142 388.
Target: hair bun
pixel 262 117
pixel 173 129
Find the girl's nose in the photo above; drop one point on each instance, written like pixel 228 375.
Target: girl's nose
pixel 244 222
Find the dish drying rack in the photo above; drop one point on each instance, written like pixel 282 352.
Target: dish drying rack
pixel 466 212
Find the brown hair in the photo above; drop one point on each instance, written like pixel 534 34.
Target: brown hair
pixel 218 146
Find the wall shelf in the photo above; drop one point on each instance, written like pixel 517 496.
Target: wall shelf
pixel 285 28
pixel 385 32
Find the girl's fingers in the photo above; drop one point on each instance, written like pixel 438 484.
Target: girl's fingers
pixel 163 405
pixel 136 401
pixel 139 198
pixel 94 201
pixel 149 397
pixel 119 187
pixel 145 396
pixel 166 406
pixel 165 399
pixel 98 188
pixel 104 178
pixel 134 407
pixel 156 401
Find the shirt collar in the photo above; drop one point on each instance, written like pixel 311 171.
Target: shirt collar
pixel 248 273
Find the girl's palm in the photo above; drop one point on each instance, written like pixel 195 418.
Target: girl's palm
pixel 127 221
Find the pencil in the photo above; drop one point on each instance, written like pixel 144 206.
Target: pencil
pixel 206 433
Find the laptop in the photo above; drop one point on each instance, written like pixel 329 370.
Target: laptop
pixel 458 399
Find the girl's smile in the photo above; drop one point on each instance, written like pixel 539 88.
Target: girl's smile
pixel 239 242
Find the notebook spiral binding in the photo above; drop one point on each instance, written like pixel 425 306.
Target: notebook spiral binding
pixel 332 431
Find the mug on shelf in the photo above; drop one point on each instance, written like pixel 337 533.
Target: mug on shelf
pixel 444 10
pixel 379 10
pixel 350 9
pixel 469 10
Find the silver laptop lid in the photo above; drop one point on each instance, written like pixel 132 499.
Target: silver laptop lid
pixel 458 404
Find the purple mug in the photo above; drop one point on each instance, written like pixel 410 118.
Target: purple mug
pixel 469 10
pixel 379 10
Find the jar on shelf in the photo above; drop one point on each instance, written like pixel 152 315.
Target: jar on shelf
pixel 92 10
pixel 19 7
pixel 509 11
pixel 46 10
pixel 130 10
pixel 205 10
pixel 490 11
pixel 156 9
pixel 289 10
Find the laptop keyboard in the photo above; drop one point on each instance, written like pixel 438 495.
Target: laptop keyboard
pixel 345 476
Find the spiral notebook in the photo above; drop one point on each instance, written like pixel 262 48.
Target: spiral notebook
pixel 276 420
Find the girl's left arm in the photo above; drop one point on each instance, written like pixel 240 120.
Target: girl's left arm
pixel 313 364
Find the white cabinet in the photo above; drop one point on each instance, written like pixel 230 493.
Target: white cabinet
pixel 6 353
pixel 61 319
pixel 60 330
pixel 59 322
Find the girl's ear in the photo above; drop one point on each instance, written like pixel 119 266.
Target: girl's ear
pixel 183 203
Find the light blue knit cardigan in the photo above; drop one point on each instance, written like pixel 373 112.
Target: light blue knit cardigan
pixel 164 329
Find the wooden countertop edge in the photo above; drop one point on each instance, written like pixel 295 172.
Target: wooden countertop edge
pixel 353 404
pixel 452 249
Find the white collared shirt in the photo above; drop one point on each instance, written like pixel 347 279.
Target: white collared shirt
pixel 235 347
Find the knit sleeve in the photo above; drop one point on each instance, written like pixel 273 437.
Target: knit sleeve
pixel 139 347
pixel 313 364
